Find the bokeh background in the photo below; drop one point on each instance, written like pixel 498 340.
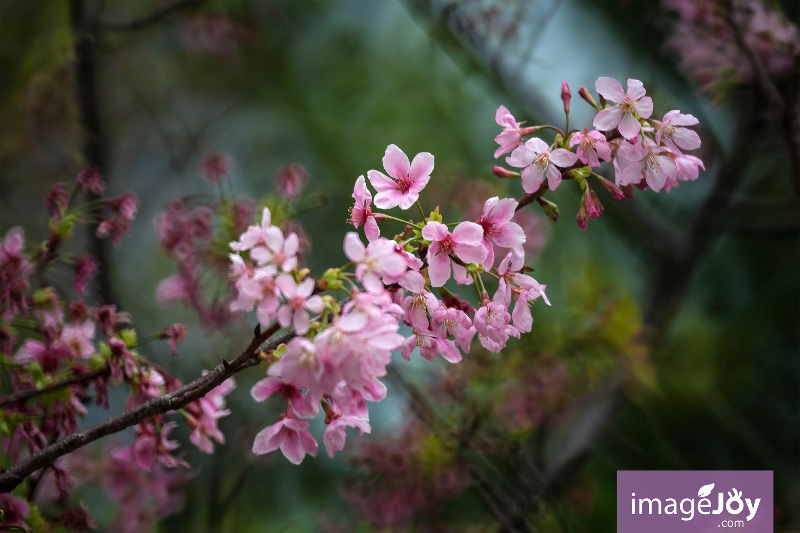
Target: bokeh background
pixel 673 340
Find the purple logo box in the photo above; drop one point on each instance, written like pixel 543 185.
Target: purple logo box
pixel 694 501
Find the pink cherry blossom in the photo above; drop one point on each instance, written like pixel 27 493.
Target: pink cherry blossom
pixel 78 338
pixel 289 181
pixel 291 436
pixel 688 167
pixel 492 322
pixel 89 179
pixel 255 235
pixel 361 213
pixel 151 446
pixel 675 137
pixel 216 168
pixel 511 135
pixel 622 114
pixel 298 403
pixel 416 305
pixel 590 145
pixel 334 437
pixel 430 345
pixel 406 180
pixel 374 261
pixel 648 161
pixel 464 243
pixel 203 414
pixel 455 322
pixel 537 161
pixel 498 228
pixel 299 301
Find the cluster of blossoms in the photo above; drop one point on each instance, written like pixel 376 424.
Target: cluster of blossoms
pixel 705 40
pixel 60 353
pixel 340 353
pixel 646 153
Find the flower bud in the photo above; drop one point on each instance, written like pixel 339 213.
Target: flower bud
pixel 504 173
pixel 587 96
pixel 550 209
pixel 615 192
pixel 566 96
pixel 583 218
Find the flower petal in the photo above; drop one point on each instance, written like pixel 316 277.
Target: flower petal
pixel 395 161
pixel 635 89
pixel 610 89
pixel 608 118
pixel 421 166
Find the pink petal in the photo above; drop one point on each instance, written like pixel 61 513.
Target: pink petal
pixel 608 118
pixel 371 229
pixel 644 107
pixel 265 388
pixel 532 178
pixel 406 200
pixel 353 247
pixel 301 322
pixel 468 233
pixel 434 231
pixel 522 316
pixel 521 157
pixel 388 199
pixel 263 443
pixel 686 139
pixel 395 162
pixel 471 253
pixel 536 145
pixel 381 182
pixel 510 235
pixel 499 115
pixel 553 177
pixel 439 269
pixel 412 282
pixel 629 126
pixel 421 166
pixel 635 89
pixel 632 174
pixel 285 316
pixel 610 89
pixel 503 210
pixel 562 157
pixel 292 244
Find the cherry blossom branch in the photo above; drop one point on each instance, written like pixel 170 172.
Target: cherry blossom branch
pixel 77 379
pixel 160 405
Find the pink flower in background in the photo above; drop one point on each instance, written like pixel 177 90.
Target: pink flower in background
pixel 151 446
pixel 538 161
pixel 406 180
pixel 85 267
pixel 203 415
pixel 57 200
pixel 361 213
pixel 465 243
pixel 290 180
pixel 334 437
pixel 89 179
pixel 498 228
pixel 675 137
pixel 628 103
pixel 78 338
pixel 217 168
pixel 291 436
pixel 591 144
pixel 175 333
pixel 123 210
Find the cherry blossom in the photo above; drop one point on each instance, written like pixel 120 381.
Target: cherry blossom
pixel 299 301
pixel 537 161
pixel 374 261
pixel 334 437
pixel 648 161
pixel 405 180
pixel 511 135
pixel 291 436
pixel 591 144
pixel 498 228
pixel 675 137
pixel 464 243
pixel 628 103
pixel 361 213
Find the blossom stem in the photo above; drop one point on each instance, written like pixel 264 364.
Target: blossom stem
pixel 421 212
pixel 390 217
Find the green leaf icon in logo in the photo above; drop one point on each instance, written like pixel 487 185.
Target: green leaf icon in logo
pixel 705 490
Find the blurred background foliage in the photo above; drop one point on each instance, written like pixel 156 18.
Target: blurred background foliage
pixel 617 374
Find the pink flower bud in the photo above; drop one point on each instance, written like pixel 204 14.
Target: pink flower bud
pixel 566 95
pixel 290 180
pixel 57 200
pixel 216 168
pixel 504 173
pixel 582 219
pixel 615 192
pixel 587 96
pixel 89 179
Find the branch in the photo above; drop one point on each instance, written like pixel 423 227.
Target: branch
pixel 162 404
pixel 77 379
pixel 153 18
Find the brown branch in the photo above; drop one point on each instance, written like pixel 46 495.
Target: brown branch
pixel 153 18
pixel 162 404
pixel 77 379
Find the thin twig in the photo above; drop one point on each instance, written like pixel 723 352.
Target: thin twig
pixel 162 404
pixel 77 379
pixel 153 18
